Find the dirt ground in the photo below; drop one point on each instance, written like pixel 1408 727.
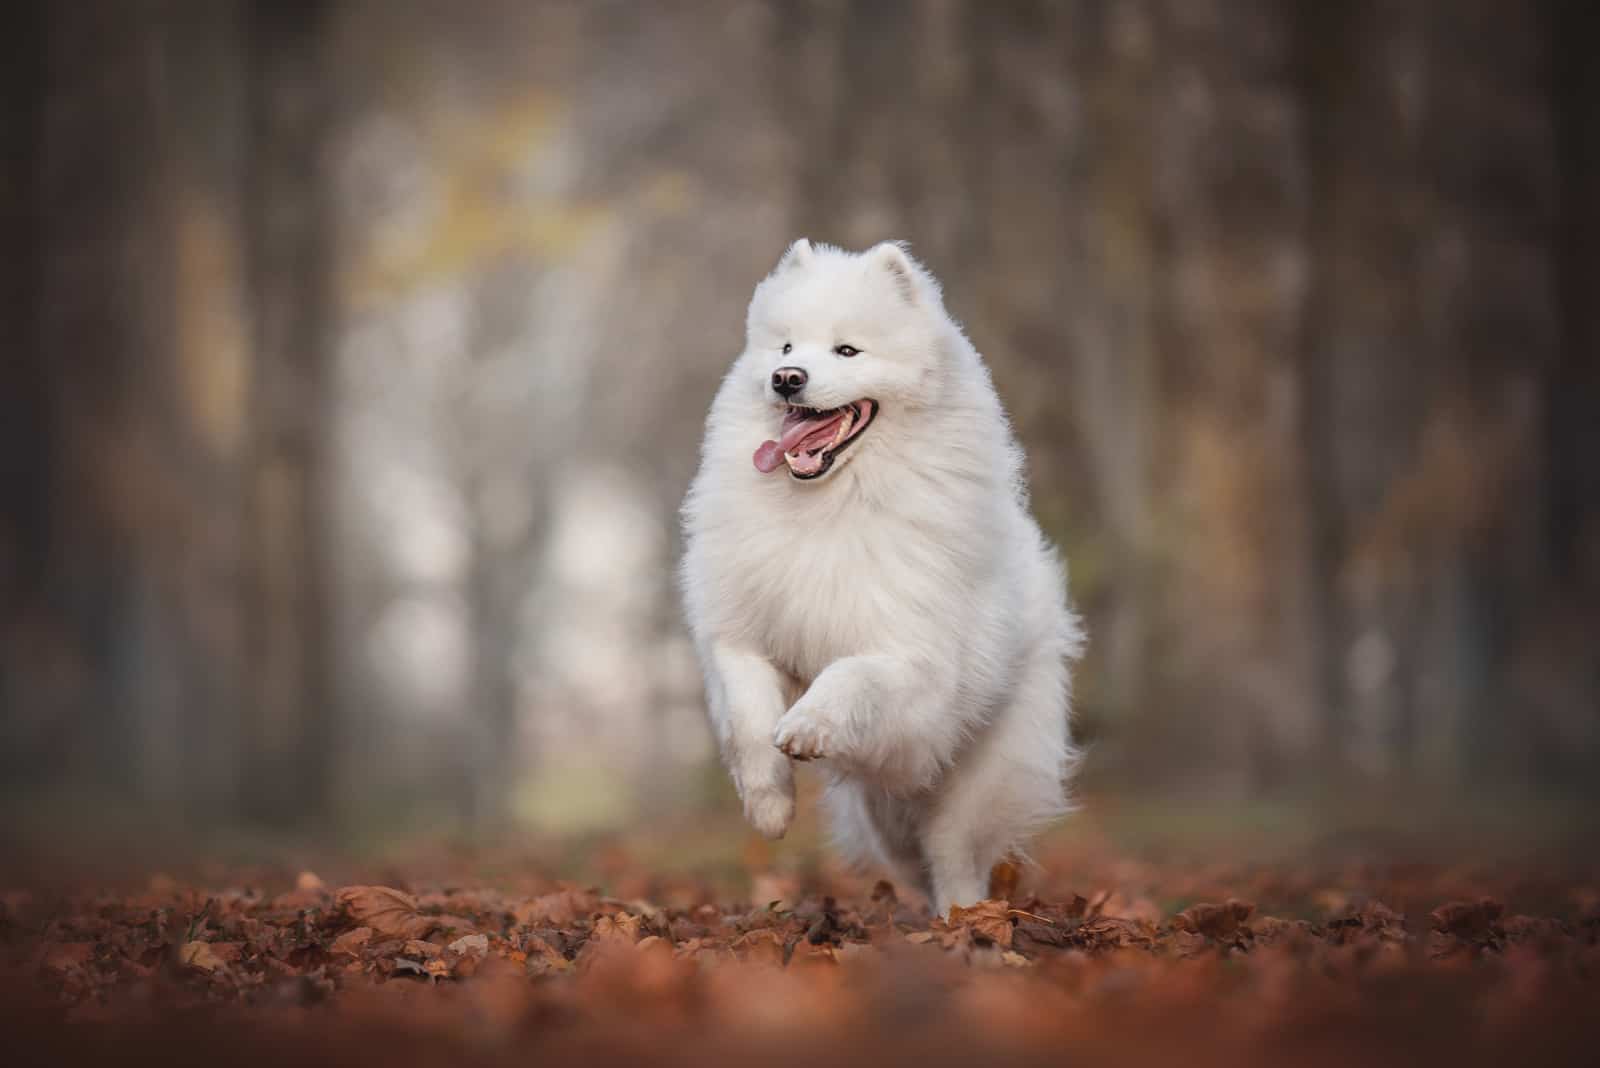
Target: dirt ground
pixel 1107 950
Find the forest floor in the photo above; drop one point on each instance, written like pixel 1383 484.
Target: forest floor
pixel 1113 949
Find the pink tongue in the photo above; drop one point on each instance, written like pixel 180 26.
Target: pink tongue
pixel 769 457
pixel 796 429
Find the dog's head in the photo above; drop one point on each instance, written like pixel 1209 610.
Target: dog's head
pixel 835 340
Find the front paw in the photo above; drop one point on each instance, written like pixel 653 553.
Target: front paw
pixel 806 734
pixel 765 781
pixel 769 809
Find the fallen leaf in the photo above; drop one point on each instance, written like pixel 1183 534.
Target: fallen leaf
pixel 1003 879
pixel 989 921
pixel 560 909
pixel 388 912
pixel 543 958
pixel 474 945
pixel 352 941
pixel 621 926
pixel 1214 921
pixel 418 949
pixel 1373 920
pixel 1468 919
pixel 1035 932
pixel 201 956
pixel 62 956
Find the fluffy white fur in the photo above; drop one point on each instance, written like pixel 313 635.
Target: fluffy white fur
pixel 901 617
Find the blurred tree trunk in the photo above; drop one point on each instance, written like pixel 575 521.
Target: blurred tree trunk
pixel 34 659
pixel 288 736
pixel 1229 193
pixel 105 336
pixel 179 513
pixel 1424 344
pixel 1557 668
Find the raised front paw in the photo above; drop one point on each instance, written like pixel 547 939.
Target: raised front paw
pixel 806 734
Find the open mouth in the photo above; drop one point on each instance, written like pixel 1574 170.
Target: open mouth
pixel 812 437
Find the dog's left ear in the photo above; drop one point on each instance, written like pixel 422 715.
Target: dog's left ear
pixel 908 275
pixel 799 254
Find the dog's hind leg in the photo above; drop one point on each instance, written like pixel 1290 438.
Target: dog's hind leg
pixel 1005 787
pixel 870 827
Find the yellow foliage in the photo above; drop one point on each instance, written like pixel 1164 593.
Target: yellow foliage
pixel 479 222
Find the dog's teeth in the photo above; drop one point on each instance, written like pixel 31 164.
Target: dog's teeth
pixel 844 428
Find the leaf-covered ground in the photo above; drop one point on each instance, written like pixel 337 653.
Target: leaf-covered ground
pixel 1098 955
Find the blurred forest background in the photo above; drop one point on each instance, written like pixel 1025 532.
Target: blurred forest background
pixel 357 353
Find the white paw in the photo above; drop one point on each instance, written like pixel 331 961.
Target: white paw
pixel 806 734
pixel 765 781
pixel 769 809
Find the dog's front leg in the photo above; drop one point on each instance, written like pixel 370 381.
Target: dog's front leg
pixel 886 715
pixel 747 700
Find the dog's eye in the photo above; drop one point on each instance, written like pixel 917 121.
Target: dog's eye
pixel 787 348
pixel 846 350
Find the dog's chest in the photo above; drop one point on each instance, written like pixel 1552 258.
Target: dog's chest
pixel 810 591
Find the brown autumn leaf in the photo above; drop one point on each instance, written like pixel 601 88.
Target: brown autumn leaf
pixel 1033 932
pixel 1473 920
pixel 1190 943
pixel 1373 920
pixel 989 921
pixel 560 909
pixel 205 956
pixel 1544 931
pixel 1272 930
pixel 1115 932
pixel 765 946
pixel 63 956
pixel 420 949
pixel 543 958
pixel 389 912
pixel 1003 879
pixel 473 945
pixel 620 926
pixel 1214 921
pixel 352 941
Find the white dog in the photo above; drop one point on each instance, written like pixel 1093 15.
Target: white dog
pixel 868 588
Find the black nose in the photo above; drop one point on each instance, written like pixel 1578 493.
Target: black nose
pixel 788 381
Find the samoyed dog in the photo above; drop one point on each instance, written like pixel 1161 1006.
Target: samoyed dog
pixel 864 582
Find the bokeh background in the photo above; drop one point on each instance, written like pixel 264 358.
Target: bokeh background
pixel 356 355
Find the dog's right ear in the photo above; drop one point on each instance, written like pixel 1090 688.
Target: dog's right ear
pixel 799 255
pixel 908 275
